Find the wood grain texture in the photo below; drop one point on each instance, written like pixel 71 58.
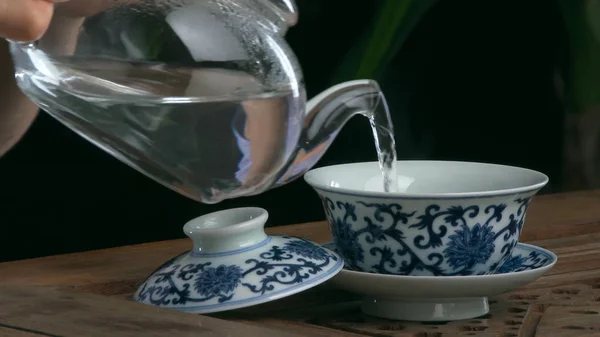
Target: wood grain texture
pixel 570 321
pixel 57 312
pixel 568 224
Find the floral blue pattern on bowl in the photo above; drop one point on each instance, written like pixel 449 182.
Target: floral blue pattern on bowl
pixel 452 219
pixel 263 269
pixel 455 240
pixel 524 257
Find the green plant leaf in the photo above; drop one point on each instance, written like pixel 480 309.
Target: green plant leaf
pixel 388 31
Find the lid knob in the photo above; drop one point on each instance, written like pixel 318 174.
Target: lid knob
pixel 227 230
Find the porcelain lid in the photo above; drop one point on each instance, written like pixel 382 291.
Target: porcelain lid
pixel 234 264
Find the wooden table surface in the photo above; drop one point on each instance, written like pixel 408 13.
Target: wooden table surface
pixel 88 294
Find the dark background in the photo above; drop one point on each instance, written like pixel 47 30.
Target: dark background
pixel 475 81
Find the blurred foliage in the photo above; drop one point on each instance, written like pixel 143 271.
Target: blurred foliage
pixel 582 81
pixel 396 19
pixel 388 31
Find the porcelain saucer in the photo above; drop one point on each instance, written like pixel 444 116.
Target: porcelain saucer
pixel 443 298
pixel 234 264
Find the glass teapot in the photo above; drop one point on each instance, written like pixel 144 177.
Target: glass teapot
pixel 203 96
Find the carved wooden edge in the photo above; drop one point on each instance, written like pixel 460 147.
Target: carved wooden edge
pixel 531 321
pixel 569 321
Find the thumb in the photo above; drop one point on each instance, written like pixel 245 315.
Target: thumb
pixel 25 20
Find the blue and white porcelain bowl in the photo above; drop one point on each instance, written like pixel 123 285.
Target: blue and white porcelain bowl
pixel 447 218
pixel 234 264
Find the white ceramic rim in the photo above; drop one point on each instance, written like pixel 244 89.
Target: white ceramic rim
pixel 311 180
pixel 249 218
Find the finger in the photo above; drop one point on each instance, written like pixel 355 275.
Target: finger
pixel 24 20
pixel 81 8
pixel 86 8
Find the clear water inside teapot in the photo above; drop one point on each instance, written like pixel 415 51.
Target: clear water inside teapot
pixel 179 125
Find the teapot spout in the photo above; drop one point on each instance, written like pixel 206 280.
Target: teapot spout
pixel 326 114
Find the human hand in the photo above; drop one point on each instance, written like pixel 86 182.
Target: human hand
pixel 25 20
pixel 28 20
